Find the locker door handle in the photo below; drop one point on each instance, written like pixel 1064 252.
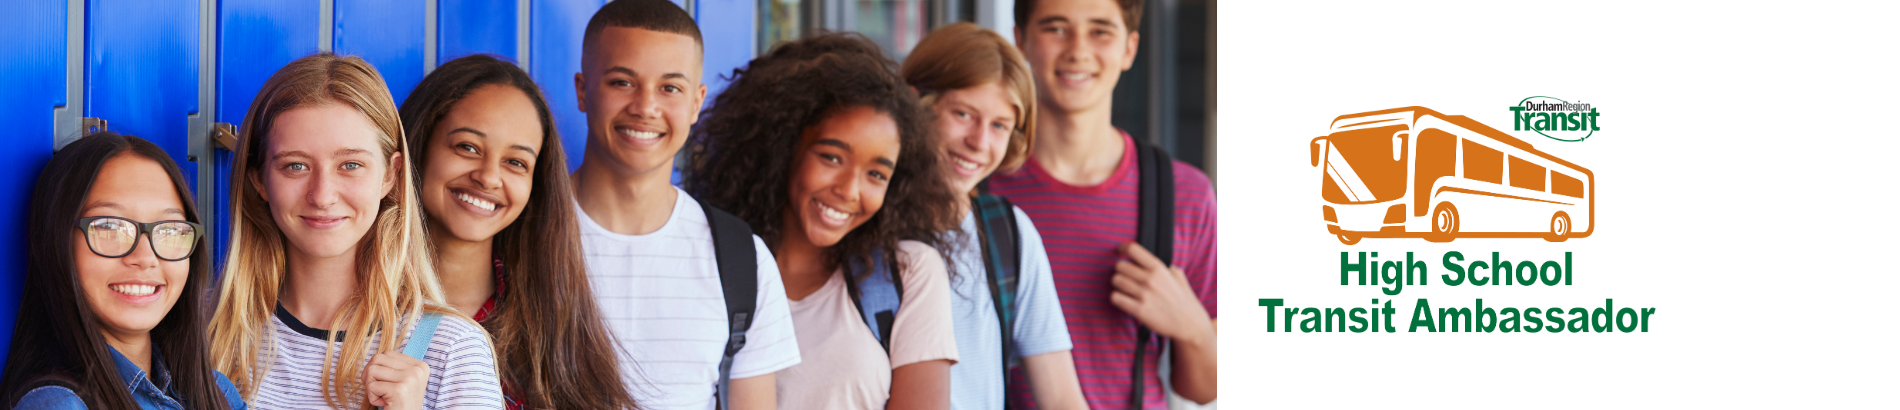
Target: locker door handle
pixel 224 135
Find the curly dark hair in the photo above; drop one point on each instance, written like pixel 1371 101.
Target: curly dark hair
pixel 743 145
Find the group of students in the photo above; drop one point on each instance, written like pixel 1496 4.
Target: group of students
pixel 965 230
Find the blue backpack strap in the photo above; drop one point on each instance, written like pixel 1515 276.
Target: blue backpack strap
pixel 877 294
pixel 418 345
pixel 997 233
pixel 738 266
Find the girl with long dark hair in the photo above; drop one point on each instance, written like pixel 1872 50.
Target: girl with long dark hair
pixel 824 151
pixel 111 316
pixel 499 209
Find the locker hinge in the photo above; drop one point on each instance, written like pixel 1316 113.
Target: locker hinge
pixel 224 135
pixel 91 125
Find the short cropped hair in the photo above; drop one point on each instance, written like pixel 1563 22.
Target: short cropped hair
pixel 1131 13
pixel 656 15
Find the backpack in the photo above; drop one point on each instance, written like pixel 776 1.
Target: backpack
pixel 998 236
pixel 418 344
pixel 1154 231
pixel 879 293
pixel 739 280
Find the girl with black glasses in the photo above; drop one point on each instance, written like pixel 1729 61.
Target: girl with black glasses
pixel 112 313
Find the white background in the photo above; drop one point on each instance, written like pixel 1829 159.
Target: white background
pixel 1745 189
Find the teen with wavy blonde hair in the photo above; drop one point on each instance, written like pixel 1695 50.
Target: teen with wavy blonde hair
pixel 327 233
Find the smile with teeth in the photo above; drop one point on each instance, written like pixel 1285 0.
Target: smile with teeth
pixel 477 202
pixel 965 164
pixel 639 135
pixel 135 290
pixel 833 213
pixel 1075 76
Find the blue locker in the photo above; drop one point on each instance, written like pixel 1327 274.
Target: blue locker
pixel 256 37
pixel 34 78
pixel 142 61
pixel 554 57
pixel 387 34
pixel 476 27
pixel 142 70
pixel 726 26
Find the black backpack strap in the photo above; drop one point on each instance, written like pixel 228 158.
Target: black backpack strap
pixel 1002 259
pixel 1155 231
pixel 738 264
pixel 878 294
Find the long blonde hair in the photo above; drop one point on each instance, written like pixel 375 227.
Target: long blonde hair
pixel 395 277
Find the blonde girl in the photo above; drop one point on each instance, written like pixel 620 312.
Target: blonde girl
pixel 329 272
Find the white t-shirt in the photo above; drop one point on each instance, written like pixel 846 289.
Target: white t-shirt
pixel 847 369
pixel 976 382
pixel 661 295
pixel 461 367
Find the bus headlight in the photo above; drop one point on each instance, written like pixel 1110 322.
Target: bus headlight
pixel 1395 214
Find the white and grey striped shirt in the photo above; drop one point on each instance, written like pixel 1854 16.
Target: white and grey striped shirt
pixel 461 367
pixel 662 295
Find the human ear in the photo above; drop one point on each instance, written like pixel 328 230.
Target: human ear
pixel 257 184
pixel 1134 43
pixel 580 91
pixel 396 168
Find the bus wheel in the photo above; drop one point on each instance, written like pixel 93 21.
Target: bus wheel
pixel 1559 227
pixel 1348 239
pixel 1444 223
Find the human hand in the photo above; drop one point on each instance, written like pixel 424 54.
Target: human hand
pixel 1158 296
pixel 395 381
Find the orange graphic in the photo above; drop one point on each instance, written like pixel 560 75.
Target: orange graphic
pixel 1415 173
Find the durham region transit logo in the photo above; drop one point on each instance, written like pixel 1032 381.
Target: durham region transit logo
pixel 1557 119
pixel 1415 173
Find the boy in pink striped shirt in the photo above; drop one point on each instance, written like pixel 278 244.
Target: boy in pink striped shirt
pixel 1081 186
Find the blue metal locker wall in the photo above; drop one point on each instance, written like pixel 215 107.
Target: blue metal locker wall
pixel 142 71
pixel 389 35
pixel 727 27
pixel 554 55
pixel 141 64
pixel 34 78
pixel 475 27
pixel 255 38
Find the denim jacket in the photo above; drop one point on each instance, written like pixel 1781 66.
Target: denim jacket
pixel 151 393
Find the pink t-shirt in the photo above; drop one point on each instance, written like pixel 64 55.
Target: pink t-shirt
pixel 843 366
pixel 1081 227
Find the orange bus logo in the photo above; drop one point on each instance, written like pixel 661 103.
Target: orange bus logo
pixel 1415 173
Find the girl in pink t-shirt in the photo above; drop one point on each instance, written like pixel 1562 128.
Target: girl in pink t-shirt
pixel 825 152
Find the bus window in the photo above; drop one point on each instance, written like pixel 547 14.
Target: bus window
pixel 1561 184
pixel 1483 163
pixel 1437 157
pixel 1526 175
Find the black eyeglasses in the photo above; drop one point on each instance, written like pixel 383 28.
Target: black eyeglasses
pixel 115 237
